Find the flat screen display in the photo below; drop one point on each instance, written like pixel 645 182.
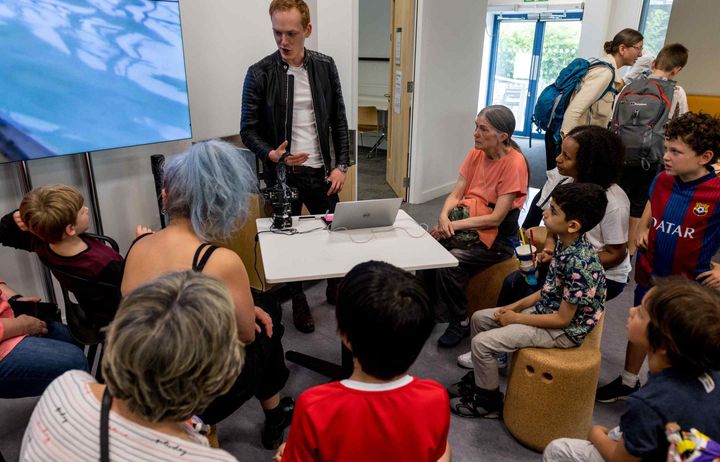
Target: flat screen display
pixel 89 75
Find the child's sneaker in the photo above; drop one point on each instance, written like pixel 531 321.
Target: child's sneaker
pixel 614 391
pixel 465 360
pixel 479 403
pixel 465 386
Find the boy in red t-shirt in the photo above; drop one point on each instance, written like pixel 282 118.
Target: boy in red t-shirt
pixel 380 412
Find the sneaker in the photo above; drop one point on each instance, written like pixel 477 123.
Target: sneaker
pixel 614 391
pixel 302 318
pixel 276 421
pixel 465 360
pixel 480 403
pixel 454 333
pixel 465 386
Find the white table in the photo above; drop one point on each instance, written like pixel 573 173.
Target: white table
pixel 321 254
pixel 316 253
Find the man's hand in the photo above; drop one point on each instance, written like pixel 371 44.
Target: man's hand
pixel 711 278
pixel 265 320
pixel 337 180
pixel 31 325
pixel 505 316
pixel 297 158
pixel 18 221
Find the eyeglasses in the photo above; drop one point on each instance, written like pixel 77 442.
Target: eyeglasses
pixel 638 48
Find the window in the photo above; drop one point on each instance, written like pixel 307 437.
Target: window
pixel 654 23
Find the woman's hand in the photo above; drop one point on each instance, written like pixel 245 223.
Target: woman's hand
pixel 264 319
pixel 31 325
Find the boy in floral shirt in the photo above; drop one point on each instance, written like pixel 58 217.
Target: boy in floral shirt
pixel 560 315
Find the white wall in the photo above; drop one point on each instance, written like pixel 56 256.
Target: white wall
pixel 447 76
pixel 692 23
pixel 221 39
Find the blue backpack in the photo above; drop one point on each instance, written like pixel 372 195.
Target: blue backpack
pixel 554 99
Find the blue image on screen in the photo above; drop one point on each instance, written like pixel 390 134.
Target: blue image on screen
pixel 88 75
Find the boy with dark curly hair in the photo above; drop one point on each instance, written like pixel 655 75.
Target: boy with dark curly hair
pixel 679 232
pixel 678 323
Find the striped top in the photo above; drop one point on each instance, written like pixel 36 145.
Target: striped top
pixel 65 426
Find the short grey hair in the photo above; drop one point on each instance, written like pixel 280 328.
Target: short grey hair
pixel 502 119
pixel 210 184
pixel 173 347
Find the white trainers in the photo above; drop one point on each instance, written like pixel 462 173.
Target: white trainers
pixel 465 360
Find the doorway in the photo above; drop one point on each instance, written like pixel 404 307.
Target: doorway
pixel 528 52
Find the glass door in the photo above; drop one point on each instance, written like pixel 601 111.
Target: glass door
pixel 528 52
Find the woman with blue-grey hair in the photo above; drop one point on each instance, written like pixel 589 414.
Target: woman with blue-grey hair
pixel 205 195
pixel 479 218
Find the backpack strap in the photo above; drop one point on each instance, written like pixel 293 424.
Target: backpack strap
pixel 594 62
pixel 198 263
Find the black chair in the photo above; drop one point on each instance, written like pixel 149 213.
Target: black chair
pixel 91 308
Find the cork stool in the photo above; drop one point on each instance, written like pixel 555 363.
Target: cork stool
pixel 484 286
pixel 551 392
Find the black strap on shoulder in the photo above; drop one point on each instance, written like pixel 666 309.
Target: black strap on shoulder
pixel 105 426
pixel 198 264
pixel 134 242
pixel 547 199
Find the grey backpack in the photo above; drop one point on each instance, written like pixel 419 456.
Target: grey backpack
pixel 639 118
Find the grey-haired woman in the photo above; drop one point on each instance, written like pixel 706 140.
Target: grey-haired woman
pixel 479 217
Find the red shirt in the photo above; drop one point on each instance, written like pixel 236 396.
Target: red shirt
pixel 404 420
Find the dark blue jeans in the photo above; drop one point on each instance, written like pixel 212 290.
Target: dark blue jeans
pixel 36 361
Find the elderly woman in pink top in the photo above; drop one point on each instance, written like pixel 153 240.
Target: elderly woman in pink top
pixel 32 353
pixel 479 217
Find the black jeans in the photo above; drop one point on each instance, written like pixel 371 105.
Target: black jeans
pixel 446 286
pixel 263 375
pixel 312 190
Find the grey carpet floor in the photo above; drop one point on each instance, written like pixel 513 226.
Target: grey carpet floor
pixel 471 439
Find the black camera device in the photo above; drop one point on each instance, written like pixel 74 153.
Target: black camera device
pixel 281 196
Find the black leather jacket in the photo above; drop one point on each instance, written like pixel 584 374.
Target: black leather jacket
pixel 267 104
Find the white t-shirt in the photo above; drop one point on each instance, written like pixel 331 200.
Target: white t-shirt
pixel 65 426
pixel 613 229
pixel 304 129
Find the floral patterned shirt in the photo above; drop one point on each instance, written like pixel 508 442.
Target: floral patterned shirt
pixel 576 276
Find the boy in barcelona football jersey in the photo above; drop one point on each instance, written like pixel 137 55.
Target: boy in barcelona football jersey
pixel 679 232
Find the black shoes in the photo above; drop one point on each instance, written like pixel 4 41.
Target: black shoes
pixel 276 421
pixel 454 333
pixel 478 403
pixel 302 318
pixel 614 391
pixel 464 387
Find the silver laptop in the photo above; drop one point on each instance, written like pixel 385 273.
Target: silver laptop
pixel 365 214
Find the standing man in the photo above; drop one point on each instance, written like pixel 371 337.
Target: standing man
pixel 292 103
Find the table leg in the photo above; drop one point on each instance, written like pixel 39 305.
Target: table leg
pixel 326 368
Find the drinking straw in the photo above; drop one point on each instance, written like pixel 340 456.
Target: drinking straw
pixel 522 236
pixel 532 240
